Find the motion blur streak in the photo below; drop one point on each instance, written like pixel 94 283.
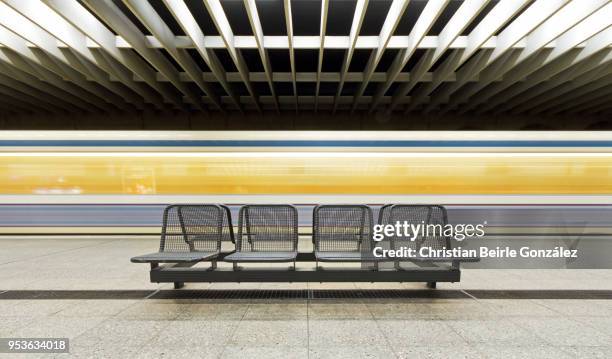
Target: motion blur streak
pixel 332 173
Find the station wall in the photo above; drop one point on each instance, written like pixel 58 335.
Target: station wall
pixel 177 120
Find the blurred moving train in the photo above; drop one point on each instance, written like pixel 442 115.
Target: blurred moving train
pixel 103 182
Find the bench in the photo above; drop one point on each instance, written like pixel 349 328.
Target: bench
pixel 266 233
pixel 420 214
pixel 269 234
pixel 190 234
pixel 342 233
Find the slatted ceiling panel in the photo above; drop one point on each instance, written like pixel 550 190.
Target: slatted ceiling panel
pixel 339 22
pixel 483 56
pixel 409 18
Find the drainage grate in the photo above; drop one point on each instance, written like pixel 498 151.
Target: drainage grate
pixel 231 294
pixel 304 294
pixel 75 294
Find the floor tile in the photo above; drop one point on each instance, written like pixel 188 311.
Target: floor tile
pixel 271 333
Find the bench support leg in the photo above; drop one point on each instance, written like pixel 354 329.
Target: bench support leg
pixel 235 266
pixel 213 265
pixel 179 285
pixel 431 285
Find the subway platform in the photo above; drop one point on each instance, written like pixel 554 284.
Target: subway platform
pixel 88 291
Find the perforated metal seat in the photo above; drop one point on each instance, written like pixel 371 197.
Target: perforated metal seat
pixel 342 256
pixel 262 257
pixel 266 233
pixel 190 233
pixel 341 233
pixel 174 257
pixel 419 214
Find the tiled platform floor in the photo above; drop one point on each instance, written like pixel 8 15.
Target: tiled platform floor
pixel 285 328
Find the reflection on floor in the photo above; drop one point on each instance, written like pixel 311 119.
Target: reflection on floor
pixel 88 291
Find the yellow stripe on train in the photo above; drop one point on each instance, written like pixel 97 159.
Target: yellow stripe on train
pixel 306 173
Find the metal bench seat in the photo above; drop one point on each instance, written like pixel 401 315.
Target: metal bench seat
pixel 190 233
pixel 445 259
pixel 428 215
pixel 344 257
pixel 175 257
pixel 341 233
pixel 261 257
pixel 266 233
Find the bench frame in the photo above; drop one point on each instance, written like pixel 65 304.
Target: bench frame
pixel 181 273
pixel 430 270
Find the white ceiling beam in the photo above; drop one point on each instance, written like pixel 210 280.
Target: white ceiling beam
pixel 64 31
pixel 255 21
pixel 571 89
pixel 468 10
pixel 466 13
pixel 43 29
pixel 97 35
pixel 24 100
pixel 513 34
pixel 310 42
pixel 558 24
pixel 553 27
pixel 119 72
pixel 41 97
pixel 90 92
pixel 358 16
pixel 587 95
pixel 322 31
pixel 451 63
pixel 500 15
pixel 108 11
pixel 391 21
pixel 20 70
pixel 564 23
pixel 419 69
pixel 557 84
pixel 468 73
pixel 488 74
pixel 289 25
pixel 17 79
pixel 289 100
pixel 426 20
pixel 526 23
pixel 228 41
pixel 185 19
pixel 35 70
pixel 512 72
pixel 552 66
pixel 522 57
pixel 307 77
pixel 156 25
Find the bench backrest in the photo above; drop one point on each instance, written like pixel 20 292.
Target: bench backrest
pixel 384 213
pixel 425 215
pixel 189 227
pixel 228 226
pixel 267 228
pixel 342 228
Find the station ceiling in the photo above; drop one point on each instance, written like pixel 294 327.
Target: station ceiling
pixel 438 56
